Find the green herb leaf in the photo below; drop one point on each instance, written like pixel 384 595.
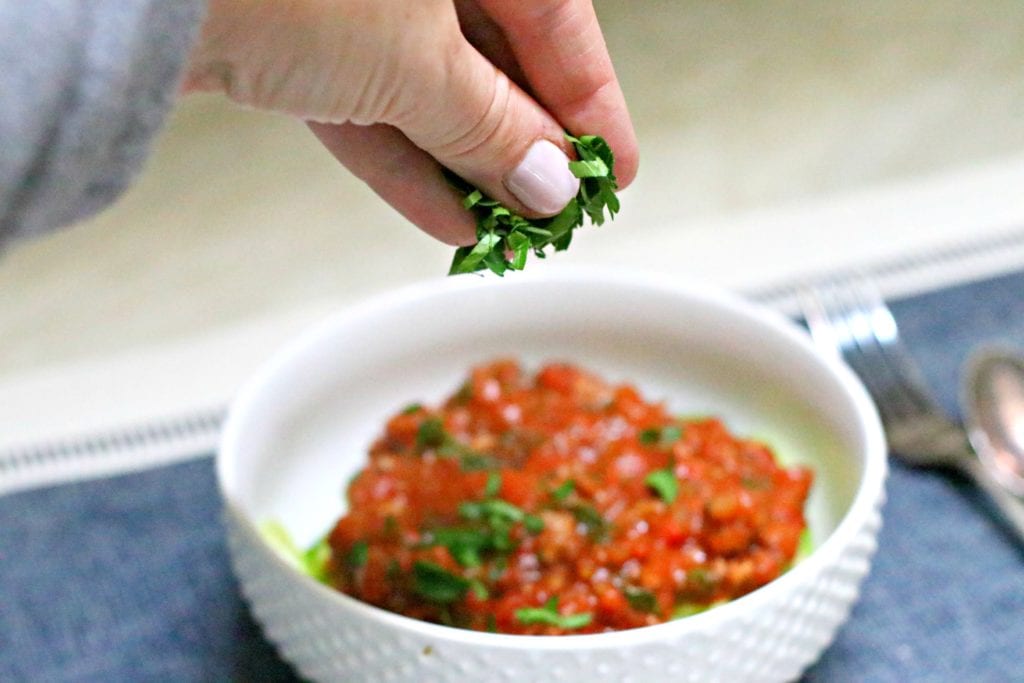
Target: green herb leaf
pixel 588 169
pixel 500 231
pixel 641 599
pixel 563 491
pixel 701 578
pixel 660 436
pixel 469 461
pixel 412 408
pixel 471 259
pixel 357 554
pixel 688 609
pixel 431 433
pixel 588 516
pixel 490 529
pixel 519 244
pixel 472 199
pixel 664 482
pixel 479 589
pixel 464 544
pixel 435 583
pixel 493 484
pixel 548 614
pixel 494 509
pixel 649 436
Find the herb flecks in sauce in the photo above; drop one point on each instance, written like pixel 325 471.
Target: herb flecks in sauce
pixel 582 508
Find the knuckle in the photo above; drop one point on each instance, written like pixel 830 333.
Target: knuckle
pixel 482 129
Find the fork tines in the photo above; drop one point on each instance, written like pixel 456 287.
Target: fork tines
pixel 850 317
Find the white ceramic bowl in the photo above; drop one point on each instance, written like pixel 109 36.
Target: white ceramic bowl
pixel 301 428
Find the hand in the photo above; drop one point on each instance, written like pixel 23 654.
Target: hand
pixel 397 88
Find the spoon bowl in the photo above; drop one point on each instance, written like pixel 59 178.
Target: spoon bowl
pixel 850 319
pixel 993 402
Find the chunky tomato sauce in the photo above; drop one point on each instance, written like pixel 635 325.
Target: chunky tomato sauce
pixel 561 504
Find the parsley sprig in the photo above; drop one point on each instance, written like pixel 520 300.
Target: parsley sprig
pixel 432 434
pixel 549 615
pixel 664 483
pixel 499 231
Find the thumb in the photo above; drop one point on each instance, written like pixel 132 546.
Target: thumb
pixel 474 120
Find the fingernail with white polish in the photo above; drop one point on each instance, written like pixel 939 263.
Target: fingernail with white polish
pixel 542 180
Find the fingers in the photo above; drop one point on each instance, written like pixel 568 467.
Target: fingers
pixel 473 119
pixel 403 175
pixel 488 38
pixel 561 50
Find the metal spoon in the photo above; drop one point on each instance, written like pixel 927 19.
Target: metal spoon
pixel 992 399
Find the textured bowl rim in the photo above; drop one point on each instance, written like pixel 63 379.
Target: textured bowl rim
pixel 869 493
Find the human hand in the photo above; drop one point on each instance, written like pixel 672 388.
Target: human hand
pixel 397 88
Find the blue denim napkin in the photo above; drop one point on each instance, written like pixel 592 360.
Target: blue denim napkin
pixel 127 578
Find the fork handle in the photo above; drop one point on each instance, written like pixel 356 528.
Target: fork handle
pixel 1010 505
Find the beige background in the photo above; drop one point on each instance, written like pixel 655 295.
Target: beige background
pixel 239 215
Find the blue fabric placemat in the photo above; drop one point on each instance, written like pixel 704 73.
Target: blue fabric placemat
pixel 127 579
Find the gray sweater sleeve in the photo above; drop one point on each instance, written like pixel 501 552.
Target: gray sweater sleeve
pixel 84 87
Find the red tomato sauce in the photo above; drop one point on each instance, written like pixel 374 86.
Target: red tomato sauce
pixel 560 503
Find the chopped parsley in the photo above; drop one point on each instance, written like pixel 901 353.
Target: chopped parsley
pixel 437 584
pixel 499 231
pixel 641 599
pixel 479 589
pixel 660 436
pixel 493 484
pixel 493 510
pixel 563 491
pixel 431 433
pixel 469 461
pixel 702 578
pixel 489 530
pixel 464 544
pixel 594 521
pixel 548 614
pixel 688 609
pixel 357 554
pixel 412 408
pixel 664 483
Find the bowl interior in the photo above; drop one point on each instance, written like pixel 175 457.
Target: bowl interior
pixel 301 429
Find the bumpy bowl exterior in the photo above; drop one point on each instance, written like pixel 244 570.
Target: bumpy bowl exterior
pixel 772 634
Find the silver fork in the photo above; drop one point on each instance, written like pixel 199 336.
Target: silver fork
pixel 850 318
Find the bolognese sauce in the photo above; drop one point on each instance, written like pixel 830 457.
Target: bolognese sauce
pixel 559 503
